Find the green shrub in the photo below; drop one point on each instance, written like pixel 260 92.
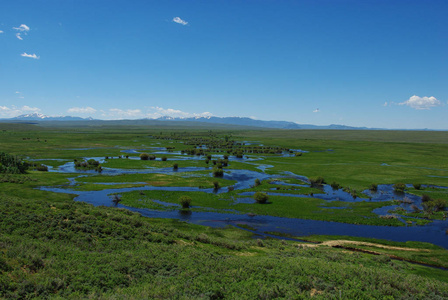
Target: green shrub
pixel 417 186
pixel 261 197
pixel 373 187
pixel 42 168
pixel 217 172
pixel 216 184
pixel 316 181
pixel 399 187
pixel 335 185
pixel 144 156
pixel 257 182
pixel 164 158
pixel 185 201
pixel 175 166
pixel 426 198
pixel 11 164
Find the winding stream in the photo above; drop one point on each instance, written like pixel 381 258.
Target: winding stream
pixel 434 232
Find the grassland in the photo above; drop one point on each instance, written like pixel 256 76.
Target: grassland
pixel 54 247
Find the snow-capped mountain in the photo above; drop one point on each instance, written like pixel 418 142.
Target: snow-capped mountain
pixel 42 117
pixel 243 121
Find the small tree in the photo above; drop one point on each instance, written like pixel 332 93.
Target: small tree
pixel 399 187
pixel 417 186
pixel 335 185
pixel 373 187
pixel 317 181
pixel 426 198
pixel 261 197
pixel 218 172
pixel 175 166
pixel 144 156
pixel 216 184
pixel 185 201
pixel 257 182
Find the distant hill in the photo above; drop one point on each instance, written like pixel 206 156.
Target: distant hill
pixel 42 117
pixel 201 121
pixel 257 123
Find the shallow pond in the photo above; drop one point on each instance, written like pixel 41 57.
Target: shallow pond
pixel 434 232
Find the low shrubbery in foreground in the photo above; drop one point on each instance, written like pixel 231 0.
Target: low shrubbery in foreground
pixel 68 249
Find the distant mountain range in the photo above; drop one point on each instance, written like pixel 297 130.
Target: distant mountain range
pixel 257 123
pixel 42 117
pixel 239 121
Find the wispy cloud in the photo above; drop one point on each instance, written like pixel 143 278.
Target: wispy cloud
pixel 1 31
pixel 24 54
pixel 14 111
pixel 385 104
pixel 115 113
pixel 157 112
pixel 420 103
pixel 18 35
pixel 316 110
pixel 82 110
pixel 22 28
pixel 180 21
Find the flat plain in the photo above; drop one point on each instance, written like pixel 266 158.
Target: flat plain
pixel 335 223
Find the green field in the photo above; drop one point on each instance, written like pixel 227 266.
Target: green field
pixel 54 247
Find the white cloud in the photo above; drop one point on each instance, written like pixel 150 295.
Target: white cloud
pixel 114 113
pixel 17 92
pixel 417 102
pixel 24 54
pixel 157 112
pixel 180 21
pixel 13 111
pixel 1 31
pixel 22 28
pixel 82 110
pixel 316 110
pixel 385 104
pixel 18 36
pixel 26 108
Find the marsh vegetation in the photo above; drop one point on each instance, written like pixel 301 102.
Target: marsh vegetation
pixel 52 246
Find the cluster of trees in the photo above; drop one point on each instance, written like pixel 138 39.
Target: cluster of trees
pixel 10 164
pixel 90 164
pixel 213 143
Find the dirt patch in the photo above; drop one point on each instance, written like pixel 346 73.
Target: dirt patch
pixel 341 243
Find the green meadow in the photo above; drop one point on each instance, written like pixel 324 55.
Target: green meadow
pixel 54 247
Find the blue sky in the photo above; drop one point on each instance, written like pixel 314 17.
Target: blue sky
pixel 359 63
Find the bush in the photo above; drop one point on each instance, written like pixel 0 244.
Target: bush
pixel 257 182
pixel 439 204
pixel 175 166
pixel 426 198
pixel 185 201
pixel 318 180
pixel 164 158
pixel 399 187
pixel 417 186
pixel 152 157
pixel 42 168
pixel 218 172
pixel 261 197
pixel 216 184
pixel 335 185
pixel 144 156
pixel 373 187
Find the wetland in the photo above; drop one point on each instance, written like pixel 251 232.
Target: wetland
pixel 316 188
